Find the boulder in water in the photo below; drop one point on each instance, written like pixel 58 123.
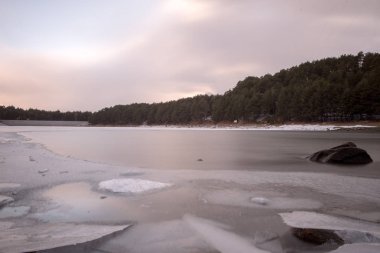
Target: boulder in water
pixel 347 153
pixel 317 236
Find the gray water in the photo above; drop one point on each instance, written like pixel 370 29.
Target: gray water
pixel 207 149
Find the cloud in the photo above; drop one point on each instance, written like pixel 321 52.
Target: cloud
pixel 185 48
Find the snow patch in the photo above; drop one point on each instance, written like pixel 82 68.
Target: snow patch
pixel 129 185
pixel 301 219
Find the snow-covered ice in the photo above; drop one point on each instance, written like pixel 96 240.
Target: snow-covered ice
pixel 8 185
pixel 51 235
pixel 5 200
pixel 11 212
pixel 302 219
pixel 131 185
pixel 358 248
pixel 257 200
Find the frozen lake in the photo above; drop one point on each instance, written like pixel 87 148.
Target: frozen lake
pixel 188 190
pixel 205 149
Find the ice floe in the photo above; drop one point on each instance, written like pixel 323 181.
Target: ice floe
pixel 11 212
pixel 222 240
pixel 51 235
pixel 302 219
pixel 131 185
pixel 8 185
pixel 5 200
pixel 358 247
pixel 252 199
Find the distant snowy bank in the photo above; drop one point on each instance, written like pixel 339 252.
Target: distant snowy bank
pixel 286 127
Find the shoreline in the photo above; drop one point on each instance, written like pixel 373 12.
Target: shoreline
pixel 364 126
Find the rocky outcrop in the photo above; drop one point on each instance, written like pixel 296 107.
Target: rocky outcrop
pixel 317 236
pixel 347 153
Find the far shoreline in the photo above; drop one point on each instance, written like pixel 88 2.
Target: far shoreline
pixel 362 126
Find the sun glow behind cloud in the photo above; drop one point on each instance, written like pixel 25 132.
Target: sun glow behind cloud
pixel 189 10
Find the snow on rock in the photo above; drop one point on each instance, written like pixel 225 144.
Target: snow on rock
pixel 131 185
pixel 51 235
pixel 5 200
pixel 302 219
pixel 357 237
pixel 222 240
pixel 358 247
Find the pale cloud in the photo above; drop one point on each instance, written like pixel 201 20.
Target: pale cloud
pixel 182 48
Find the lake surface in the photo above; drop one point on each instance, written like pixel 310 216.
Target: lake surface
pixel 205 149
pixel 225 186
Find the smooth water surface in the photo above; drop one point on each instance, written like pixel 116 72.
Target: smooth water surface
pixel 204 149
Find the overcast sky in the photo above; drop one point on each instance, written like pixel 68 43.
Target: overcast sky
pixel 86 55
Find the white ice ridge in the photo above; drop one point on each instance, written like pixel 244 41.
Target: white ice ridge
pixel 302 219
pixel 358 247
pixel 222 240
pixel 129 185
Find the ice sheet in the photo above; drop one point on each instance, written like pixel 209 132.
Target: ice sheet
pixel 358 248
pixel 222 240
pixel 301 219
pixel 53 235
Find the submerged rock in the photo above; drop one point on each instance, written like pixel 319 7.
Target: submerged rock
pixel 347 153
pixel 317 236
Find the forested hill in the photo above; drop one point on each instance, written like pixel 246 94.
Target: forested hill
pixel 344 88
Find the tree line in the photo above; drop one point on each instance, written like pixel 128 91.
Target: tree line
pixel 332 89
pixel 13 113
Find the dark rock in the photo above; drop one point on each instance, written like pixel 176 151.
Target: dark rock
pixel 347 153
pixel 317 236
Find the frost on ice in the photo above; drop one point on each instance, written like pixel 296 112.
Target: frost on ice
pixel 129 185
pixel 301 219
